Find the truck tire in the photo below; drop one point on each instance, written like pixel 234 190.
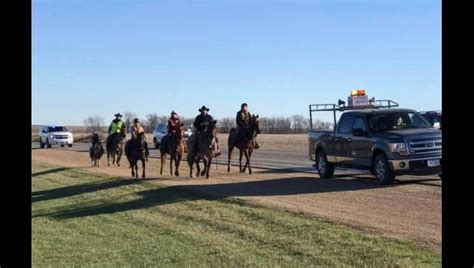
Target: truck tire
pixel 382 170
pixel 47 143
pixel 69 145
pixel 41 144
pixel 325 169
pixel 156 144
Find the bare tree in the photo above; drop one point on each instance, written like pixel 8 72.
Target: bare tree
pixel 94 123
pixel 226 124
pixel 297 122
pixel 128 119
pixel 152 121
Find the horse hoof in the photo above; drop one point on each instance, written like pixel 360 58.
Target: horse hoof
pixel 203 172
pixel 143 176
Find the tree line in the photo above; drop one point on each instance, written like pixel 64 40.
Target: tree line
pixel 295 124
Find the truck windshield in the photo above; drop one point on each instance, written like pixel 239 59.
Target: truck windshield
pixel 56 129
pixel 396 121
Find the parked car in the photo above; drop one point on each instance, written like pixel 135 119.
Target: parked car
pixel 160 131
pixel 55 135
pixel 381 139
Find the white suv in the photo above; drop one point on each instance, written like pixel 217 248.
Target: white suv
pixel 55 135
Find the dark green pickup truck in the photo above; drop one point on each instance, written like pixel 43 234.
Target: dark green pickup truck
pixel 385 141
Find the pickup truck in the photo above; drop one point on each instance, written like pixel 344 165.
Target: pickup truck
pixel 385 141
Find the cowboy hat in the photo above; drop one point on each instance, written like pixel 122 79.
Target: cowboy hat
pixel 118 114
pixel 204 108
pixel 136 120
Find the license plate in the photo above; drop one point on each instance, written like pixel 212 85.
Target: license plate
pixel 433 163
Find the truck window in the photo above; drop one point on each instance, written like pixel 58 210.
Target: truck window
pixel 396 121
pixel 359 123
pixel 346 124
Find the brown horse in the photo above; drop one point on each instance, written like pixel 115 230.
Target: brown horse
pixel 205 151
pixel 245 143
pixel 114 147
pixel 174 146
pixel 96 150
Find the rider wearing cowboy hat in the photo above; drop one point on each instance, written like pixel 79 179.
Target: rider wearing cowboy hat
pixel 136 129
pixel 200 121
pixel 117 125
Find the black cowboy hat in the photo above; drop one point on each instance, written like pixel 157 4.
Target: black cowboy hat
pixel 136 120
pixel 173 112
pixel 204 108
pixel 243 104
pixel 118 114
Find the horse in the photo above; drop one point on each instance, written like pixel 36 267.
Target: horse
pixel 114 146
pixel 96 150
pixel 135 150
pixel 205 151
pixel 245 143
pixel 174 146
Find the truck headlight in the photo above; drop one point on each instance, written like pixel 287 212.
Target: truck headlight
pixel 51 136
pixel 398 147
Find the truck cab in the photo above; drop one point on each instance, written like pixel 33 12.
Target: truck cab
pixel 384 141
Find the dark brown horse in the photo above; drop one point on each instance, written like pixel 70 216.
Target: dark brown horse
pixel 174 146
pixel 96 150
pixel 205 151
pixel 245 143
pixel 135 151
pixel 114 147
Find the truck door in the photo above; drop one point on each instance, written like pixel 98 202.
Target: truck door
pixel 342 140
pixel 361 144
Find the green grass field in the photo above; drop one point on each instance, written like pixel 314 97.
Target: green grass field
pixel 80 218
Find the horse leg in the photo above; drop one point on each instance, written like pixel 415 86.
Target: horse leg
pixel 171 164
pixel 247 156
pixel 136 169
pixel 133 169
pixel 208 167
pixel 190 163
pixel 240 160
pixel 108 155
pixel 204 160
pixel 118 158
pixel 229 153
pixel 162 163
pixel 176 164
pixel 143 166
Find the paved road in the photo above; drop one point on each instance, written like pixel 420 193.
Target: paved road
pixel 266 159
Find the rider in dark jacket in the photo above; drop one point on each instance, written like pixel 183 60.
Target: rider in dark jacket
pixel 200 122
pixel 243 121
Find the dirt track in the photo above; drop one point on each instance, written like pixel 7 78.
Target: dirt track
pixel 410 209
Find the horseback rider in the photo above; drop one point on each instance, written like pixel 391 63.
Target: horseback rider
pixel 137 129
pixel 173 123
pixel 200 124
pixel 243 122
pixel 117 126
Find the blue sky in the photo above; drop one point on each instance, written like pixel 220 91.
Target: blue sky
pixel 103 57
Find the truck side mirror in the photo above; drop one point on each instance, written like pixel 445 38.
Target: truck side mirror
pixel 359 132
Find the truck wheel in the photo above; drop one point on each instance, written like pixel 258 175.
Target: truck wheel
pixel 156 144
pixel 47 143
pixel 41 144
pixel 62 145
pixel 325 169
pixel 69 145
pixel 382 170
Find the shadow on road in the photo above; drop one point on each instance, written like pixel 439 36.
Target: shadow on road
pixel 69 191
pixel 174 194
pixel 49 171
